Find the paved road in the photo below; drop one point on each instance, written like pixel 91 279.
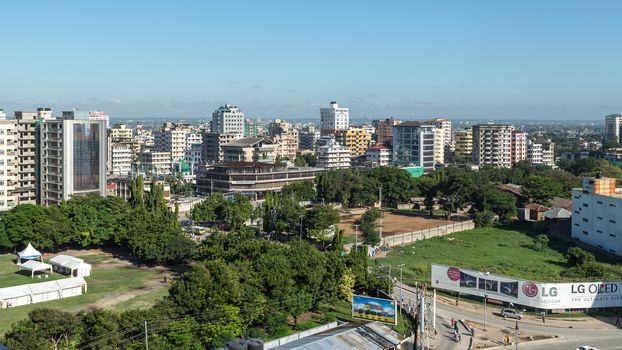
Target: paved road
pixel 603 339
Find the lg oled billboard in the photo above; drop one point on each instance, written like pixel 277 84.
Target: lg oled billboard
pixel 376 309
pixel 578 295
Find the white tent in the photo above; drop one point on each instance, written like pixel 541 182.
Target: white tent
pixel 34 266
pixel 39 292
pixel 29 253
pixel 68 264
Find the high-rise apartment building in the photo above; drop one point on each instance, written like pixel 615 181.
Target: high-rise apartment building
pixel 285 136
pixel 332 155
pixel 519 146
pixel 413 144
pixel 464 144
pixel 250 128
pixel 356 139
pixel 194 157
pixel 155 162
pixel 597 214
pixel 228 119
pixel 334 118
pixel 8 163
pixel 384 131
pixel 73 157
pixel 492 145
pixel 439 145
pixel 541 152
pixel 120 159
pixel 29 127
pixel 613 128
pixel 172 138
pixel 307 137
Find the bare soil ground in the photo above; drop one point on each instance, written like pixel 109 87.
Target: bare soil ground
pixel 392 223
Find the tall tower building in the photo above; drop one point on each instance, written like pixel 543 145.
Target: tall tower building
pixel 228 119
pixel 492 145
pixel 29 153
pixel 464 144
pixel 8 163
pixel 73 157
pixel 172 137
pixel 334 118
pixel 413 143
pixel 613 128
pixel 519 146
pixel 384 131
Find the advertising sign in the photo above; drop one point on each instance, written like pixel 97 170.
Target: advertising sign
pixel 577 295
pixel 375 309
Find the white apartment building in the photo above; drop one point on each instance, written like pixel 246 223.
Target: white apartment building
pixel 286 138
pixel 541 152
pixel 8 163
pixel 597 214
pixel 444 141
pixel 172 138
pixel 155 162
pixel 121 133
pixel 492 145
pixel 332 155
pixel 120 155
pixel 228 119
pixel 613 128
pixel 29 131
pixel 73 157
pixel 334 118
pixel 193 138
pixel 519 146
pixel 378 154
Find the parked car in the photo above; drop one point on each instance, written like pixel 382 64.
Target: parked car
pixel 586 347
pixel 511 313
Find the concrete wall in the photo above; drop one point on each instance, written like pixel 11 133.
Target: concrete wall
pixel 290 338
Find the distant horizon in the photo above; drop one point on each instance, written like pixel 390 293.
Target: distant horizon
pixel 482 59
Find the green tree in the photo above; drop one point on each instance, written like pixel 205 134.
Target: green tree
pixel 397 184
pixel 44 328
pixel 302 190
pixel 578 257
pixel 369 226
pixel 541 242
pixel 428 186
pixel 484 218
pixel 319 218
pixel 455 188
pixel 540 189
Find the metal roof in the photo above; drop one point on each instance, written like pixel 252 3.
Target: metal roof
pixel 370 336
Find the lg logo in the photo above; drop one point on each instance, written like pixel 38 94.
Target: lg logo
pixel 530 289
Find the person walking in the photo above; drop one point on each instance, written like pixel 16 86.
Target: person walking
pixel 543 317
pixel 472 332
pixel 618 322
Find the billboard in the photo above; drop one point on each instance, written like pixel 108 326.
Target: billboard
pixel 375 309
pixel 576 295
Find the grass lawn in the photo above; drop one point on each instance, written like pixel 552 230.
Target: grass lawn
pixel 10 275
pixel 497 250
pixel 125 282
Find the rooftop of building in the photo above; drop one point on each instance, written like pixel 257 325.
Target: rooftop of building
pixel 247 142
pixel 378 147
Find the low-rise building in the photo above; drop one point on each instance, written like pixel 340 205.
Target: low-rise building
pixel 252 179
pixel 597 214
pixel 250 149
pixel 120 159
pixel 332 154
pixel 541 152
pixel 212 146
pixel 379 154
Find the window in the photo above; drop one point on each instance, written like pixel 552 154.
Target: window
pixel 612 251
pixel 612 235
pixel 576 212
pixel 599 231
pixel 612 221
pixel 612 205
pixel 577 197
pixel 585 205
pixel 599 202
pixel 585 233
pixel 585 220
pixel 599 218
pixel 576 224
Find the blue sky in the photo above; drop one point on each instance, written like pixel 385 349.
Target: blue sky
pixel 462 59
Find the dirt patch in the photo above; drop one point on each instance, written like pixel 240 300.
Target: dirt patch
pixel 149 287
pixel 392 223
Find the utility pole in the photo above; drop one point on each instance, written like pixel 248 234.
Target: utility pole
pixel 356 239
pixel 380 199
pixel 485 297
pixel 422 318
pixel 146 337
pixel 401 266
pixel 434 310
pixel 301 216
pixel 516 336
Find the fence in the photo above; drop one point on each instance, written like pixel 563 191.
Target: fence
pixel 409 237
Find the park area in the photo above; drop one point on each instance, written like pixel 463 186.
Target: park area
pixel 114 283
pixel 392 223
pixel 505 251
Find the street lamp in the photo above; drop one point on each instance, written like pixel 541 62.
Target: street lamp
pixel 485 297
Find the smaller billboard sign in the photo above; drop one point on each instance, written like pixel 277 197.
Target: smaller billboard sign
pixel 374 309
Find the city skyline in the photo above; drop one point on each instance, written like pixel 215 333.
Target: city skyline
pixel 552 60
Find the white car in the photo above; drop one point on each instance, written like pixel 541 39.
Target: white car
pixel 586 347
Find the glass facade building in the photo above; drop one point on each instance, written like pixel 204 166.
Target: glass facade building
pixel 86 157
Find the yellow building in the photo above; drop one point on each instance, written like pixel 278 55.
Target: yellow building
pixel 356 139
pixel 439 146
pixel 464 143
